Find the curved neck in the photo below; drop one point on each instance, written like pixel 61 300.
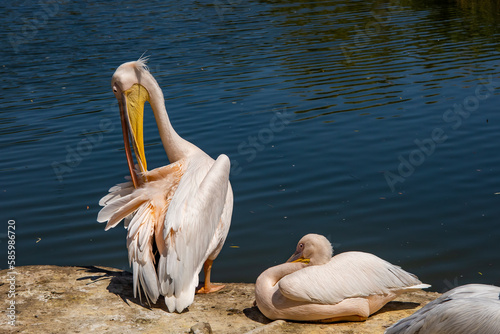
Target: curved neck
pixel 267 295
pixel 175 146
pixel 274 274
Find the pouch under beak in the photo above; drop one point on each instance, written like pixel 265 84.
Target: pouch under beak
pixel 134 99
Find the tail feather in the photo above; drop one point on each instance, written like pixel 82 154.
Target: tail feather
pixel 170 302
pixel 181 299
pixel 185 298
pixel 166 286
pixel 179 293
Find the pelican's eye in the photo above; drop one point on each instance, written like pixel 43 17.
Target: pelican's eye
pixel 301 246
pixel 115 89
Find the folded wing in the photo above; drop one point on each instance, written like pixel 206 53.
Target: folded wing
pixel 347 275
pixel 191 222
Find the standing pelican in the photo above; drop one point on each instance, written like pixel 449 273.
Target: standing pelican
pixel 178 215
pixel 467 309
pixel 312 285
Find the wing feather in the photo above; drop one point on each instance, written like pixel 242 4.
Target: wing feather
pixel 110 208
pixel 347 275
pixel 117 191
pixel 122 208
pixel 134 205
pixel 190 225
pixel 472 308
pixel 139 244
pixel 135 223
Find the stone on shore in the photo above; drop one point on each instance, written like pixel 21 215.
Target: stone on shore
pixel 53 299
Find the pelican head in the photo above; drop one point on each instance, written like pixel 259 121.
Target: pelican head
pixel 130 84
pixel 313 249
pixel 133 86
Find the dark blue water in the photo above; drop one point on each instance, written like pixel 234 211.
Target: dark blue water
pixel 376 124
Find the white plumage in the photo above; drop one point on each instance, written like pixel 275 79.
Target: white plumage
pixel 467 309
pixel 177 216
pixel 346 275
pixel 314 286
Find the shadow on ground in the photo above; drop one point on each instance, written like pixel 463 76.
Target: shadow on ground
pixel 120 284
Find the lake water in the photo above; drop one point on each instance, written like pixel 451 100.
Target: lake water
pixel 376 124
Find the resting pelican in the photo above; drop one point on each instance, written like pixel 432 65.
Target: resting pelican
pixel 178 215
pixel 312 285
pixel 467 309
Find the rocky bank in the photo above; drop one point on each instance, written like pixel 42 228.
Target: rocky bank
pixel 53 299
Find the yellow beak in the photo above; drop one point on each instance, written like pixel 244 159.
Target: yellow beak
pixel 132 111
pixel 298 257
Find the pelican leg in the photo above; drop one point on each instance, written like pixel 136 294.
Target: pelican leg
pixel 208 287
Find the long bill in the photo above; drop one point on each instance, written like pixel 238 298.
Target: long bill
pixel 132 119
pixel 298 257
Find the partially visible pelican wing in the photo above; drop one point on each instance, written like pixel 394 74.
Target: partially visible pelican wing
pixel 125 202
pixel 140 252
pixel 190 224
pixel 121 201
pixel 347 275
pixel 119 209
pixel 116 192
pixel 472 308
